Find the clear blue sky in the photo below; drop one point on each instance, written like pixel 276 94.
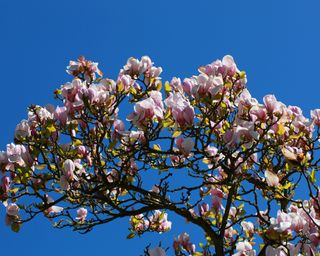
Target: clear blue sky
pixel 276 42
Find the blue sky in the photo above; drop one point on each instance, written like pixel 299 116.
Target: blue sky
pixel 276 42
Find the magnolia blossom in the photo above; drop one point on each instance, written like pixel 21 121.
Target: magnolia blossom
pixel 12 209
pixel 19 154
pixel 248 227
pixel 176 84
pixel 22 130
pixel 147 109
pixel 5 184
pixel 183 241
pixel 244 249
pixel 188 84
pixel 223 67
pixel 126 81
pixel 185 145
pixel 207 85
pixel 82 214
pixel 54 209
pixel 135 68
pixel 182 111
pixel 217 196
pixel 159 221
pixel 68 169
pixel 97 94
pixel 73 94
pixel 203 208
pixel 271 178
pixel 243 133
pixel 289 249
pixel 272 105
pixel 61 115
pixel 157 251
pixel 315 115
pixel 85 67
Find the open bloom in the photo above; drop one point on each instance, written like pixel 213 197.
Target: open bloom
pixel 271 178
pixel 82 214
pixel 182 111
pixel 22 130
pixel 147 109
pixel 185 145
pixel 244 249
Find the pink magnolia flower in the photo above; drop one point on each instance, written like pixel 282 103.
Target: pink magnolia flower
pixel 248 227
pixel 244 249
pixel 82 214
pixel 207 86
pixel 135 68
pixel 54 209
pixel 68 169
pixel 243 133
pixel 217 196
pixel 233 212
pixel 85 67
pixel 5 184
pixel 73 94
pixel 176 84
pixel 271 104
pixel 182 111
pixel 271 178
pixel 22 130
pixel 228 233
pixel 278 251
pixel 118 127
pixel 226 67
pixel 159 222
pixel 315 115
pixel 203 208
pixel 126 81
pixel 258 112
pixel 12 209
pixel 184 241
pixel 18 154
pixel 158 251
pixel 61 114
pixel 185 145
pixel 155 189
pixel 188 84
pixel 147 109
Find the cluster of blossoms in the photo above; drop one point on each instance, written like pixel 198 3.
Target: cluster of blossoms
pixel 183 242
pixel 158 222
pixel 220 158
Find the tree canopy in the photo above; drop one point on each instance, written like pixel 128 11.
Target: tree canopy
pixel 201 148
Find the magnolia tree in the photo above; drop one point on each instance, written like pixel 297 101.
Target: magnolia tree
pixel 202 149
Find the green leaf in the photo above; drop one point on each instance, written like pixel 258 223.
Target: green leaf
pixel 112 144
pixel 167 87
pixel 313 176
pixel 51 128
pixel 41 167
pixel 281 129
pixel 120 87
pixel 131 235
pixel 176 134
pixel 77 143
pixel 15 227
pixel 156 147
pixel 158 85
